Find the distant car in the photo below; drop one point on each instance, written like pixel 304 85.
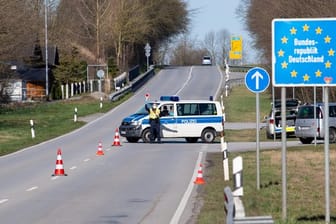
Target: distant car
pixel 206 60
pixel 273 121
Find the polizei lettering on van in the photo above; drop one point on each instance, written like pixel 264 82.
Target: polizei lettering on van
pixel 188 121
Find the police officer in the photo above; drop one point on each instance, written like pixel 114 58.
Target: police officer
pixel 154 121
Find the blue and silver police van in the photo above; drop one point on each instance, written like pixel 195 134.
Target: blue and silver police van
pixel 189 119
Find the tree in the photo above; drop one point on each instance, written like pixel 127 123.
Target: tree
pixel 81 24
pixel 218 45
pixel 100 30
pixel 187 52
pixel 224 45
pixel 128 26
pixel 19 31
pixel 71 68
pixel 120 27
pixel 209 43
pixel 257 16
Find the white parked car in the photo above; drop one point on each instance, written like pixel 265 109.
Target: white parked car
pixel 273 121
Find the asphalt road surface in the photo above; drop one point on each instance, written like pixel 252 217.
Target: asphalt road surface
pixel 132 183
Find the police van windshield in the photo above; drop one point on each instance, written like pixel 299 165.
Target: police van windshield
pixel 143 110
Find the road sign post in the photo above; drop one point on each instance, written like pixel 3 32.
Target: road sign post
pixel 304 55
pixel 257 80
pixel 147 53
pixel 100 75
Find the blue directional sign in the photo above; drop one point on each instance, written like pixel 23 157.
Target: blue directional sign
pixel 257 80
pixel 304 52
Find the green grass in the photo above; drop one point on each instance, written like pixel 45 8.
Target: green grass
pixel 240 105
pixel 305 186
pixel 305 173
pixel 51 119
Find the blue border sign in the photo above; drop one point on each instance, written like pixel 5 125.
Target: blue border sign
pixel 304 52
pixel 257 80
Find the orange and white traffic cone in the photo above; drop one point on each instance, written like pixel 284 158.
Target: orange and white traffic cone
pixel 59 170
pixel 116 138
pixel 100 151
pixel 199 178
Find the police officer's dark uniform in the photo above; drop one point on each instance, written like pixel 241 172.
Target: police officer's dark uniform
pixel 154 121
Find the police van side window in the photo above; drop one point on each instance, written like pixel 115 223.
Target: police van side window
pixel 180 109
pixel 208 109
pixel 167 110
pixel 187 109
pixel 192 109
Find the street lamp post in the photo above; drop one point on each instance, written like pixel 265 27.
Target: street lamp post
pixel 46 46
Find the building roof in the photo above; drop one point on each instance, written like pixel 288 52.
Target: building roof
pixel 33 74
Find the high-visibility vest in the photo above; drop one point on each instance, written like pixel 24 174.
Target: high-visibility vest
pixel 154 113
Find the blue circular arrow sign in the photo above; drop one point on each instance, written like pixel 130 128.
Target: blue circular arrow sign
pixel 257 80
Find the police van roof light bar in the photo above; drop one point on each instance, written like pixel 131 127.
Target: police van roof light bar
pixel 169 98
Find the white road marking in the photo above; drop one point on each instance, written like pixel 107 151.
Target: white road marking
pixel 32 188
pixel 73 167
pixel 187 193
pixel 54 177
pixel 3 200
pixel 186 82
pixel 87 160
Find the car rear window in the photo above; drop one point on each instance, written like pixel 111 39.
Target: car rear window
pixel 307 112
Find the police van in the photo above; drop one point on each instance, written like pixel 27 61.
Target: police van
pixel 189 119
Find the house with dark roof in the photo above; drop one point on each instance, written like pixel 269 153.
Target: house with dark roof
pixel 29 80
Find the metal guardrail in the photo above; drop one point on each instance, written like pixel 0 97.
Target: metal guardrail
pixel 231 213
pixel 133 85
pixel 240 68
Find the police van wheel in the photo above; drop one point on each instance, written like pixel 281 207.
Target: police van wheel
pixel 146 136
pixel 208 135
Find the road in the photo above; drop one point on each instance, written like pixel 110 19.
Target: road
pixel 133 183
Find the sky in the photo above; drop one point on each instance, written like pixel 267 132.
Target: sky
pixel 216 15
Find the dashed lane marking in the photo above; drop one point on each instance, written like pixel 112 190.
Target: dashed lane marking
pixel 32 188
pixel 3 200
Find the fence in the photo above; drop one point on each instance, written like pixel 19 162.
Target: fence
pixel 17 91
